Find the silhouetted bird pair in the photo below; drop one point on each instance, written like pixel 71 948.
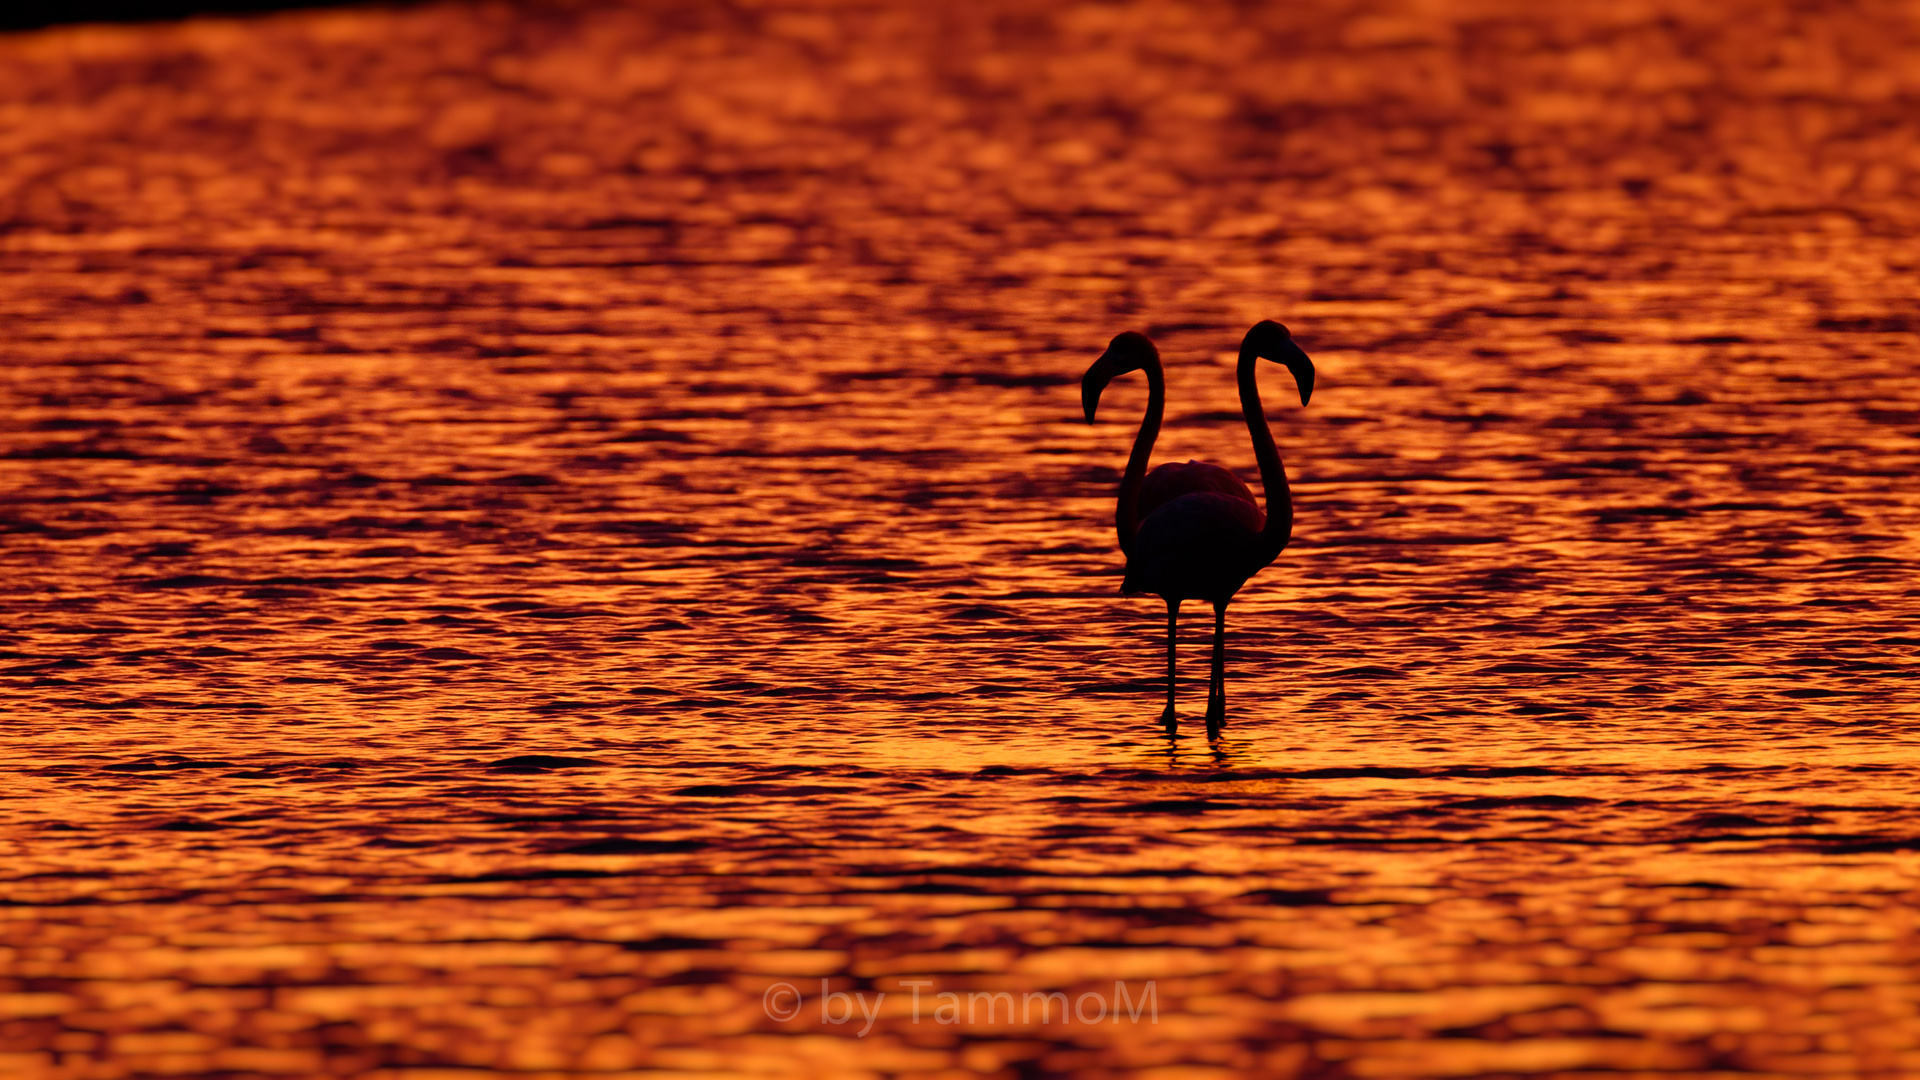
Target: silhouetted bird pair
pixel 1193 531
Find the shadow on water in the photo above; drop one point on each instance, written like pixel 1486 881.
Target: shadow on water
pixel 1186 751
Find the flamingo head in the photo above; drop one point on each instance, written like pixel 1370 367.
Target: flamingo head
pixel 1271 341
pixel 1128 351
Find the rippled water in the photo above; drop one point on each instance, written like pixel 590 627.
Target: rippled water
pixel 528 529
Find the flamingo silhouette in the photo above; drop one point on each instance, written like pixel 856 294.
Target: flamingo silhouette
pixel 1193 531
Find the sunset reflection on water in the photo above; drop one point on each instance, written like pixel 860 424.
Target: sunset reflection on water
pixel 529 528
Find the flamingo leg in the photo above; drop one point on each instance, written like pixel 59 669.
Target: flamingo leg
pixel 1217 685
pixel 1173 619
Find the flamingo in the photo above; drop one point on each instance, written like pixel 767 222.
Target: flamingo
pixel 1193 531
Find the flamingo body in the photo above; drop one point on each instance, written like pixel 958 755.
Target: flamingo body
pixel 1201 546
pixel 1169 481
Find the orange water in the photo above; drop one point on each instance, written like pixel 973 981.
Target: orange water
pixel 687 397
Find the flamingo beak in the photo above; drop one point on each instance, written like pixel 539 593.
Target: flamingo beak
pixel 1301 365
pixel 1095 381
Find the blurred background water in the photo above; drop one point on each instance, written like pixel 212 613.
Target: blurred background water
pixel 527 526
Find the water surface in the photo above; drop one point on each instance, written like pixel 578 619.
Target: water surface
pixel 525 530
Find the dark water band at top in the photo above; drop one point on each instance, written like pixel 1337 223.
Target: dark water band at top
pixel 37 14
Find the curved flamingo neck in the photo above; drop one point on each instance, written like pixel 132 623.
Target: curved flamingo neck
pixel 1273 475
pixel 1126 519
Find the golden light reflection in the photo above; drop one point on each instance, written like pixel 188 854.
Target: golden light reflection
pixel 529 529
